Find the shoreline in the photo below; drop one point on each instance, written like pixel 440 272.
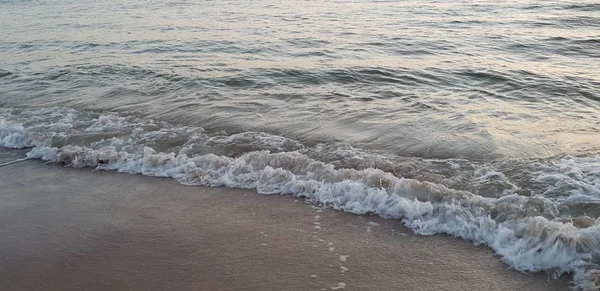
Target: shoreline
pixel 79 229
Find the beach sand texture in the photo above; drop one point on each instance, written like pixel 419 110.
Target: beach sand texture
pixel 73 229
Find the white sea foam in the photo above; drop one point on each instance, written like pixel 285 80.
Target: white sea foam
pixel 578 176
pixel 524 231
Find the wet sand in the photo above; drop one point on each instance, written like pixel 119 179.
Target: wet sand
pixel 78 229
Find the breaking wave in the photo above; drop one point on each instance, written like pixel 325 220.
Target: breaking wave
pixel 531 232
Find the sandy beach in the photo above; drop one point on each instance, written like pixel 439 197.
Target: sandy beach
pixel 79 229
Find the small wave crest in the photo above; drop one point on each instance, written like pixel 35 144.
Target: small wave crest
pixel 529 232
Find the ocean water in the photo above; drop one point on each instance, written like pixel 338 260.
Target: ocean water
pixel 476 119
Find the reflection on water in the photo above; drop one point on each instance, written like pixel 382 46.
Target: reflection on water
pixel 479 80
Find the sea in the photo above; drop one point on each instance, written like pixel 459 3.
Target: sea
pixel 472 118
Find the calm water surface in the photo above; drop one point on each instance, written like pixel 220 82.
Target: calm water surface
pixel 474 79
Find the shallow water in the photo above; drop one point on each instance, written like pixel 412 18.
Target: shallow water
pixel 485 114
pixel 473 79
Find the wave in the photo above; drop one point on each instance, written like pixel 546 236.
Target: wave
pixel 529 232
pixel 583 7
